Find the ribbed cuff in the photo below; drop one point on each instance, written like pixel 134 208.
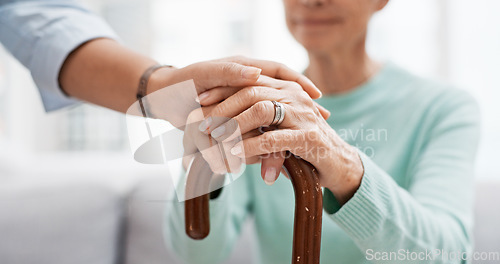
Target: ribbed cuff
pixel 363 215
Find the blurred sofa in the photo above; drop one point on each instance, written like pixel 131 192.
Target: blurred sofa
pixel 87 222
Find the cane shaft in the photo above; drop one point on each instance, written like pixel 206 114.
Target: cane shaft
pixel 308 207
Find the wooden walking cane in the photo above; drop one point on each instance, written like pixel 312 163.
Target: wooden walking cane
pixel 304 178
pixel 308 206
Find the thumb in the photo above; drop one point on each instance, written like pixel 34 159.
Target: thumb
pixel 208 75
pixel 271 167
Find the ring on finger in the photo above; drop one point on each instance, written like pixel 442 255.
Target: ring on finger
pixel 279 114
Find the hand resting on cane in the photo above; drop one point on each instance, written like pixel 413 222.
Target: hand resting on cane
pixel 304 132
pixel 215 148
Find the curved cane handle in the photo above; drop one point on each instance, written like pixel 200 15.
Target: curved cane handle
pixel 308 207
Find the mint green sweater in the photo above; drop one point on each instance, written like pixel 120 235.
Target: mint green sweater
pixel 417 141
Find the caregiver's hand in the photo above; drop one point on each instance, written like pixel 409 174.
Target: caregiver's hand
pixel 227 75
pixel 104 72
pixel 231 72
pixel 216 153
pixel 304 132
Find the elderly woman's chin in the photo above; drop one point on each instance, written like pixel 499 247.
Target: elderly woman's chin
pixel 317 35
pixel 317 42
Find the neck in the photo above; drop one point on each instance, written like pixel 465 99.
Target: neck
pixel 342 69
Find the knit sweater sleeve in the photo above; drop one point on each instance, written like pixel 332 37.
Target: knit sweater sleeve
pixel 433 216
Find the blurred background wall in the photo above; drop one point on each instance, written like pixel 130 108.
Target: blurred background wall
pixel 456 41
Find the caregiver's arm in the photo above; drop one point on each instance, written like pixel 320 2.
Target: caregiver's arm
pixel 435 213
pixel 106 73
pixel 63 44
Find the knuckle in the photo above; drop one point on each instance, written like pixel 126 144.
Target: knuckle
pixel 305 98
pixel 311 135
pixel 303 94
pixel 270 141
pixel 259 111
pixel 305 114
pixel 290 140
pixel 249 92
pixel 220 110
pixel 228 68
pixel 310 114
pixel 260 107
pixel 296 86
pixel 282 66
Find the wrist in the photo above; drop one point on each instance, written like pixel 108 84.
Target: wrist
pixel 349 183
pixel 161 78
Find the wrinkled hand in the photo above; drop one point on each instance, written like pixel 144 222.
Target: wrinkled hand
pixel 229 75
pixel 304 132
pixel 216 153
pixel 213 82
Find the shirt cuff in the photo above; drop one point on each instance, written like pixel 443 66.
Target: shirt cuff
pixel 363 215
pixel 50 52
pixel 330 203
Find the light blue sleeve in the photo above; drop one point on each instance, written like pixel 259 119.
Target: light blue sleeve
pixel 41 34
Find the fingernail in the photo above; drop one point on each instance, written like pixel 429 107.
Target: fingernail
pixel 218 131
pixel 270 176
pixel 236 150
pixel 251 73
pixel 203 96
pixel 205 124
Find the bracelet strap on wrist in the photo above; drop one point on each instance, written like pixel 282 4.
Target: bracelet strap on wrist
pixel 143 85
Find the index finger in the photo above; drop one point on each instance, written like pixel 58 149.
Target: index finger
pixel 279 71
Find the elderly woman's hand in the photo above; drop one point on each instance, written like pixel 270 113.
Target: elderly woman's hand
pixel 304 132
pixel 215 152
